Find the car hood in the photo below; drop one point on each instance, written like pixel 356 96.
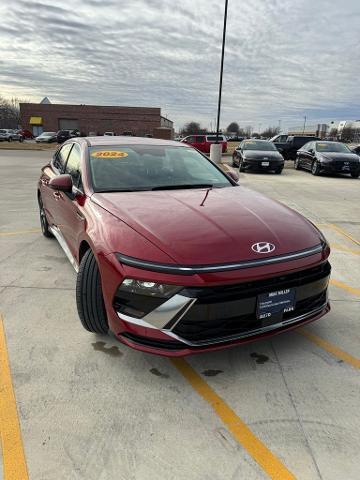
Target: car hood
pixel 260 154
pixel 340 156
pixel 207 226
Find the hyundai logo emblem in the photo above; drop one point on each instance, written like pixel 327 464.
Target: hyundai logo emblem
pixel 263 247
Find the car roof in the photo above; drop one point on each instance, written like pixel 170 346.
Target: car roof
pixel 123 140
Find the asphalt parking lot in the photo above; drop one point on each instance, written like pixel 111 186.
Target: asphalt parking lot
pixel 75 405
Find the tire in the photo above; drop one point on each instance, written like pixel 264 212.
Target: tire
pixel 355 174
pixel 315 168
pixel 241 167
pixel 278 170
pixel 89 297
pixel 21 139
pixel 43 220
pixel 297 164
pixel 233 162
pixel 9 139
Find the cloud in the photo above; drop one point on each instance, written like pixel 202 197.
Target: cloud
pixel 284 59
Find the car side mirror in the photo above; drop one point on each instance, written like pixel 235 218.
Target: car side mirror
pixel 311 151
pixel 234 175
pixel 63 183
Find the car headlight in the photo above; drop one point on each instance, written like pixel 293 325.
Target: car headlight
pixel 152 289
pixel 137 298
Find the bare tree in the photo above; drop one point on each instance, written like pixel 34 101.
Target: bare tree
pixel 270 132
pixel 9 112
pixel 347 134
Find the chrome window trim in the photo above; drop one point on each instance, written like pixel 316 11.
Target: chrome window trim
pixel 194 269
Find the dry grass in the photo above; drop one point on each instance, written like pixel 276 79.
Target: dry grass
pixel 231 147
pixel 27 146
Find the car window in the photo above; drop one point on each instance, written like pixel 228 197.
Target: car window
pixel 332 147
pixel 258 145
pixel 200 139
pixel 145 167
pixel 307 146
pixel 191 139
pixel 212 138
pixel 73 165
pixel 61 157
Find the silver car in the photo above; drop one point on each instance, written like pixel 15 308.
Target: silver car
pixel 9 135
pixel 46 137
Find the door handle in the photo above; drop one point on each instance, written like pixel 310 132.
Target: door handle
pixel 57 195
pixel 79 215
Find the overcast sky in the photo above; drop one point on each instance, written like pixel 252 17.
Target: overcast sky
pixel 284 58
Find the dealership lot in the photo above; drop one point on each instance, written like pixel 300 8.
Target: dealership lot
pixel 91 408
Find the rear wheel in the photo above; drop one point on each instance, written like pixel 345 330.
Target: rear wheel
pixel 43 220
pixel 355 174
pixel 89 297
pixel 297 164
pixel 315 168
pixel 279 170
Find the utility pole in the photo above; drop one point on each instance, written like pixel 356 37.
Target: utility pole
pixel 304 124
pixel 221 71
pixel 279 126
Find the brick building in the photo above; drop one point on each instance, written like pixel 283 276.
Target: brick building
pixel 94 119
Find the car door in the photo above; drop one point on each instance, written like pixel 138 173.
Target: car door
pixel 306 156
pixel 70 206
pixel 200 143
pixel 49 196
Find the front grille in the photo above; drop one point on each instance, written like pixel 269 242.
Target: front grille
pixel 231 310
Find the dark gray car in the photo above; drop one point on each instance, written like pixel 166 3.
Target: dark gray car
pixel 258 155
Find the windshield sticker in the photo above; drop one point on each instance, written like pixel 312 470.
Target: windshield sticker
pixel 250 143
pixel 109 154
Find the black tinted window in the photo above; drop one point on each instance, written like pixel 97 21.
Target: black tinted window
pixel 73 165
pixel 61 157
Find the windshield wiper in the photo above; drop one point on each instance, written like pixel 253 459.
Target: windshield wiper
pixel 189 185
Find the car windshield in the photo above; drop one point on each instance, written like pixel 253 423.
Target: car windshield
pixel 332 147
pixel 47 134
pixel 256 145
pixel 151 167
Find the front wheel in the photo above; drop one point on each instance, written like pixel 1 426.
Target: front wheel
pixel 9 139
pixel 315 168
pixel 297 164
pixel 355 174
pixel 241 166
pixel 89 297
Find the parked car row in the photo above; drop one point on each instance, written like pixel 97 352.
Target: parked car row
pixel 60 137
pixel 316 156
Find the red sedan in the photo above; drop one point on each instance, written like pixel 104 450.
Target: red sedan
pixel 172 255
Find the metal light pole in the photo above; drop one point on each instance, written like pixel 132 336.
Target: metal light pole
pixel 304 124
pixel 216 152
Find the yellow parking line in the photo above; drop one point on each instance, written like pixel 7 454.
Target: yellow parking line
pixel 340 231
pixel 340 248
pixel 329 347
pixel 258 451
pixel 344 286
pixel 14 463
pixel 19 232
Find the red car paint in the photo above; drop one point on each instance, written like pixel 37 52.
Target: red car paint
pixel 176 227
pixel 203 142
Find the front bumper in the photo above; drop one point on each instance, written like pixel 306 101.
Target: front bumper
pixel 216 315
pixel 340 167
pixel 260 164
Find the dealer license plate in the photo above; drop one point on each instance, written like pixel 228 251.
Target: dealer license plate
pixel 272 303
pixel 265 164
